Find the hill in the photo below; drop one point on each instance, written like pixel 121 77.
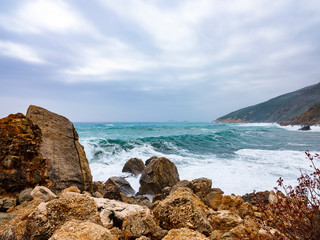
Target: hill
pixel 283 108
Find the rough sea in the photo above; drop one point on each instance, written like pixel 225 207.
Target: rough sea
pixel 239 158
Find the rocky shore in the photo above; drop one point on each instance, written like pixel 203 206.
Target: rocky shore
pixel 47 192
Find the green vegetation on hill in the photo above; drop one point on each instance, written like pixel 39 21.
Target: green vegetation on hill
pixel 283 108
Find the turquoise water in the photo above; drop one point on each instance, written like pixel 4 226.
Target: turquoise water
pixel 237 157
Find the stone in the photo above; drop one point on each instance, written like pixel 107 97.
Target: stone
pixel 21 163
pixel 184 234
pixel 5 217
pixel 25 195
pixel 149 160
pixel 43 193
pixel 76 229
pixel 49 216
pixel 6 203
pixel 225 220
pixel 71 189
pixel 253 198
pixel 305 128
pixel 158 174
pixel 138 224
pixel 61 148
pixel 134 166
pixel 214 200
pixel 183 208
pixel 121 184
pixel 112 210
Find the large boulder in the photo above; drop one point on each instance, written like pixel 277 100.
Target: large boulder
pixel 76 229
pixel 61 148
pixel 183 208
pixel 21 163
pixel 159 173
pixel 134 166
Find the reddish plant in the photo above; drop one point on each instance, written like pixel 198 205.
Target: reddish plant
pixel 296 215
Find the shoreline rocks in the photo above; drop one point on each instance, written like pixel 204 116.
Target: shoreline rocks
pixel 46 168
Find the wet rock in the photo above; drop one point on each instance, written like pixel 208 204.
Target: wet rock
pixel 305 128
pixel 75 229
pixel 158 174
pixel 25 195
pixel 134 166
pixel 183 234
pixel 121 185
pixel 61 148
pixel 21 163
pixel 183 208
pixel 149 160
pixel 43 193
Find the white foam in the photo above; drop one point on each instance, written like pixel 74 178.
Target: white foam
pixel 256 124
pixel 314 128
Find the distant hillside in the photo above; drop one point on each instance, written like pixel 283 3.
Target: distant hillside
pixel 310 117
pixel 280 109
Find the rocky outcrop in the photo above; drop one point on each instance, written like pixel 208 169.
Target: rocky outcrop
pixel 183 208
pixel 134 166
pixel 21 163
pixel 159 173
pixel 61 149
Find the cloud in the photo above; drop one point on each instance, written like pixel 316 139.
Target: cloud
pixel 43 15
pixel 20 51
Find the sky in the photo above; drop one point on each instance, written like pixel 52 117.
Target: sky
pixel 160 60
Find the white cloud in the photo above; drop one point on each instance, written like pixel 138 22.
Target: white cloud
pixel 19 51
pixel 43 15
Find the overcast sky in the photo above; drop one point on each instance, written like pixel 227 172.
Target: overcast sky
pixel 135 60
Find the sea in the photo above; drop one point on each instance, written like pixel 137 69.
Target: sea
pixel 238 157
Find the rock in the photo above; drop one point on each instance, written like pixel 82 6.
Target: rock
pixel 25 195
pixel 138 224
pixel 43 193
pixel 149 160
pixel 6 203
pixel 139 200
pixel 71 189
pixel 201 187
pixel 253 198
pixel 183 208
pixel 225 220
pixel 21 163
pixel 184 234
pixel 133 220
pixel 182 183
pixel 5 217
pixel 143 238
pixel 134 166
pixel 50 216
pixel 121 184
pixel 305 128
pixel 97 195
pixel 214 200
pixel 158 174
pixel 61 148
pixel 75 229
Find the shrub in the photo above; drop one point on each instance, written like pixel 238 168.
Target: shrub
pixel 296 215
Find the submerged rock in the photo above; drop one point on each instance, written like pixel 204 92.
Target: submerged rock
pixel 61 148
pixel 134 166
pixel 305 128
pixel 158 174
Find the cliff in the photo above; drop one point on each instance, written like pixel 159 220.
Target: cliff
pixel 283 108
